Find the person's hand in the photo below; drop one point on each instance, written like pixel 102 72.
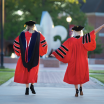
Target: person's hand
pixel 103 25
pixel 52 55
pixel 39 31
pixel 99 28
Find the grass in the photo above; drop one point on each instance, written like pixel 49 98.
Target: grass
pixel 7 70
pixel 99 77
pixel 96 71
pixel 6 74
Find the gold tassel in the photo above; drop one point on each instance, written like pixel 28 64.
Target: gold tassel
pixel 24 25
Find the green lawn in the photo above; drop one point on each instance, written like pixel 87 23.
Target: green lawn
pixel 6 74
pixel 96 71
pixel 7 70
pixel 99 77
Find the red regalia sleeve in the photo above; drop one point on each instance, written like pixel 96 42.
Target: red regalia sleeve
pixel 63 53
pixel 43 47
pixel 16 46
pixel 89 42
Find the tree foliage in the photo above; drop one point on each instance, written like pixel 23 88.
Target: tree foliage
pixel 32 10
pixel 98 49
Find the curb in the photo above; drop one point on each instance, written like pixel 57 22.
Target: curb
pixel 96 81
pixel 11 80
pixel 8 82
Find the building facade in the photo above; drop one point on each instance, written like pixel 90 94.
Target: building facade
pixel 94 10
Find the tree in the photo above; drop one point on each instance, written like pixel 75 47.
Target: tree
pixel 32 10
pixel 98 49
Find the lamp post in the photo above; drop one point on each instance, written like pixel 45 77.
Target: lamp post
pixel 2 31
pixel 68 19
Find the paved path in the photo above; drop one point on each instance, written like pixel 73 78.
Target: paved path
pixel 91 66
pixel 50 95
pixel 53 77
pixel 51 89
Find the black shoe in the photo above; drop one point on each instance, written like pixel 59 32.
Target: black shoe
pixel 32 89
pixel 81 92
pixel 76 95
pixel 27 91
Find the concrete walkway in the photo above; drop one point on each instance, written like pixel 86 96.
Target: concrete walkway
pixel 50 95
pixel 51 89
pixel 91 66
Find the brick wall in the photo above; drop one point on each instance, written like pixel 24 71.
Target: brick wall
pixel 52 62
pixel 97 20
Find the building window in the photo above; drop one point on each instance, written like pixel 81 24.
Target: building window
pixel 101 34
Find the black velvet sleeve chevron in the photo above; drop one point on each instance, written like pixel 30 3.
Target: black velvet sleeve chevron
pixel 62 51
pixel 59 54
pixel 16 46
pixel 16 42
pixel 43 41
pixel 86 38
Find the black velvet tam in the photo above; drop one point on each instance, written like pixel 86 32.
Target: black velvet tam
pixel 30 23
pixel 77 28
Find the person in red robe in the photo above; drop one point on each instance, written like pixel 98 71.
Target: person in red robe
pixel 29 46
pixel 74 52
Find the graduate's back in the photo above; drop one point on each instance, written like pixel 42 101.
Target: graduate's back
pixel 74 52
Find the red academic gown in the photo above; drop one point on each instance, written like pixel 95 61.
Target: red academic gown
pixel 22 75
pixel 74 52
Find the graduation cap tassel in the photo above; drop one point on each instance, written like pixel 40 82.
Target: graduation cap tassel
pixel 24 25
